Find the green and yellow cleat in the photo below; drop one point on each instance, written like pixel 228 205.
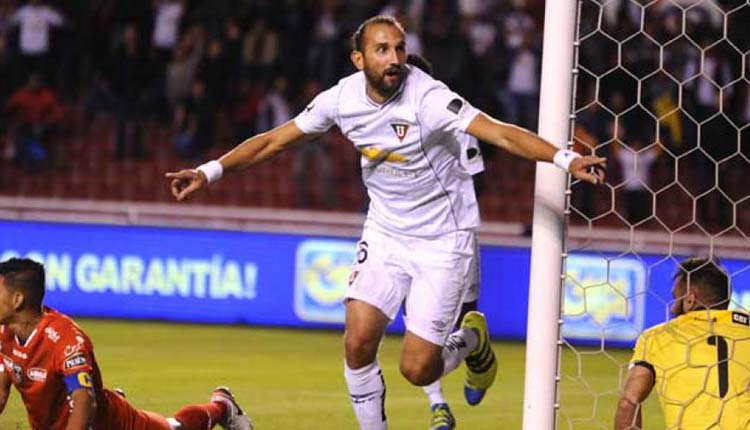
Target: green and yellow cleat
pixel 481 365
pixel 442 418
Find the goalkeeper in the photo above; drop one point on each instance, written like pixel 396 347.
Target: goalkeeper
pixel 699 362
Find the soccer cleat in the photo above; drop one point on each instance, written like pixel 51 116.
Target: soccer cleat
pixel 236 419
pixel 481 365
pixel 442 418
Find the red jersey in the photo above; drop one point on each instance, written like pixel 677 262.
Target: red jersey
pixel 57 349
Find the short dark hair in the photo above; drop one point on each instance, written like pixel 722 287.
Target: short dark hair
pixel 358 36
pixel 420 62
pixel 707 278
pixel 26 275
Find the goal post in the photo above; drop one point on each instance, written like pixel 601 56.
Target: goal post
pixel 661 88
pixel 543 326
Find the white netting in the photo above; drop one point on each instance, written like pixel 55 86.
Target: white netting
pixel 663 91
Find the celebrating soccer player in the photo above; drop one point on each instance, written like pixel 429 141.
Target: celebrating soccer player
pixel 699 362
pixel 420 233
pixel 50 361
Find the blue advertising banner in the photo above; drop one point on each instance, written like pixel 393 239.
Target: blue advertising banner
pixel 290 280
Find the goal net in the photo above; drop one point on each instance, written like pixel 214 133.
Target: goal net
pixel 662 89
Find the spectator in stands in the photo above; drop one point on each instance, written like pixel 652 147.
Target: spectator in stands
pixel 166 31
pixel 296 26
pixel 664 105
pixel 445 45
pixel 260 50
pixel 194 124
pixel 35 112
pixel 232 48
pixel 129 79
pixel 181 72
pixel 520 98
pixel 6 83
pixel 636 163
pixel 246 107
pixel 35 21
pixel 312 164
pixel 214 71
pixel 323 54
pixel 273 109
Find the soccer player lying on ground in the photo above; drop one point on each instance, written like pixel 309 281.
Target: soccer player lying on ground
pixel 50 361
pixel 472 162
pixel 420 231
pixel 699 362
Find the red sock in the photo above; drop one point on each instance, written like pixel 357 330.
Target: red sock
pixel 201 417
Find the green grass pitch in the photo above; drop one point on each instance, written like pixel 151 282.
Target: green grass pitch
pixel 293 380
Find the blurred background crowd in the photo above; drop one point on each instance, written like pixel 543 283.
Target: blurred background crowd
pixel 99 97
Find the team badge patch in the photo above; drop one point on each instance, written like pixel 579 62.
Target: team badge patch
pixel 455 106
pixel 400 130
pixel 18 372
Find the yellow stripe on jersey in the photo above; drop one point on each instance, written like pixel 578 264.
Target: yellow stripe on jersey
pixel 701 361
pixel 377 155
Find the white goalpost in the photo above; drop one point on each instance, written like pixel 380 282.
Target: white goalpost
pixel 662 88
pixel 543 327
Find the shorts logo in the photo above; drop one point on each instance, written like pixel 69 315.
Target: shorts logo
pixel 74 361
pixel 400 129
pixel 439 326
pixel 740 318
pixel 37 374
pixel 353 277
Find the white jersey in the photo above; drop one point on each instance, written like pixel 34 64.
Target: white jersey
pixel 411 156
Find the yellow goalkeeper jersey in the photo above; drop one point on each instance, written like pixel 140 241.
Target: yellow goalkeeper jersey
pixel 701 361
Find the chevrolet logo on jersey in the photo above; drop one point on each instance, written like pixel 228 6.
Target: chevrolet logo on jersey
pixel 400 130
pixel 378 155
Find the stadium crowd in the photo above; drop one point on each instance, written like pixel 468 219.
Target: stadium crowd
pixel 209 73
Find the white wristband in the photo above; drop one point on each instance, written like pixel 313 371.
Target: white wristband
pixel 564 157
pixel 213 170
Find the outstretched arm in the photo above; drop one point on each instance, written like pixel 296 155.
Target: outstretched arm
pixel 526 144
pixel 637 387
pixel 252 151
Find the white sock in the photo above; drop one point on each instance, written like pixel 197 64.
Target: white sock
pixel 457 347
pixel 435 392
pixel 367 392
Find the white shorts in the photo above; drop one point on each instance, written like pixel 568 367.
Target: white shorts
pixel 472 281
pixel 429 276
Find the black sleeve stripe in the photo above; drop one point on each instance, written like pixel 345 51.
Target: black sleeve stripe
pixel 647 365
